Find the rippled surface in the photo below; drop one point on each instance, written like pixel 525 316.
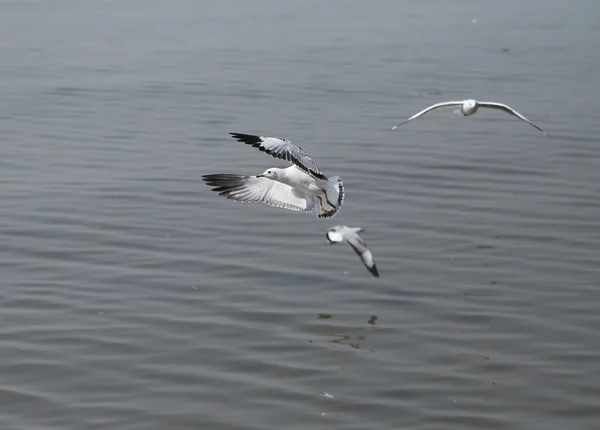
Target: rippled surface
pixel 135 298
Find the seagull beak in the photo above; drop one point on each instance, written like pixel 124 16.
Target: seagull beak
pixel 260 176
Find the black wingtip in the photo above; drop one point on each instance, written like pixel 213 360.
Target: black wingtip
pixel 220 177
pixel 223 182
pixel 249 139
pixel 209 178
pixel 374 270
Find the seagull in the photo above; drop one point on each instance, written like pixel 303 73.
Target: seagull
pixel 343 233
pixel 469 107
pixel 302 187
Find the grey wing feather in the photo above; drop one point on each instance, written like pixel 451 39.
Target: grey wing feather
pixel 426 110
pixel 511 111
pixel 284 150
pixel 362 250
pixel 250 189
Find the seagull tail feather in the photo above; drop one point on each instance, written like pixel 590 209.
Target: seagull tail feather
pixel 336 194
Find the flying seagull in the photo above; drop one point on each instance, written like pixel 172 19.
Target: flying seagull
pixel 302 187
pixel 469 107
pixel 343 233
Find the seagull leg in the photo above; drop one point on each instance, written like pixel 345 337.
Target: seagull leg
pixel 321 203
pixel 327 198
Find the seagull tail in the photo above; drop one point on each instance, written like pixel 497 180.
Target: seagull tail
pixel 335 194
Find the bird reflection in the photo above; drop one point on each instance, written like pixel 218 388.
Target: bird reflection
pixel 344 339
pixel 353 341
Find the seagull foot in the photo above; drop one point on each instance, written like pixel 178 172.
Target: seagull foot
pixel 321 205
pixel 327 198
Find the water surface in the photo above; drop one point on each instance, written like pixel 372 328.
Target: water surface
pixel 133 297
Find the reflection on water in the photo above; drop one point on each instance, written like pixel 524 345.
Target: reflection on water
pixel 353 340
pixel 350 340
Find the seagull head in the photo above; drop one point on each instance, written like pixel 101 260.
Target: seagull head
pixel 334 234
pixel 269 173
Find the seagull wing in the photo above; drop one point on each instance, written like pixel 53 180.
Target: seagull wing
pixel 250 189
pixel 284 150
pixel 508 109
pixel 429 109
pixel 360 247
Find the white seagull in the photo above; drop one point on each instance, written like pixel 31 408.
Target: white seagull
pixel 469 107
pixel 301 187
pixel 343 233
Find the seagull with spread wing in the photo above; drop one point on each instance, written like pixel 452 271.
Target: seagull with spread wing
pixel 469 107
pixel 302 187
pixel 343 233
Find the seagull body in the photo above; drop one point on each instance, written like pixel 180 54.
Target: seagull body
pixel 297 179
pixel 301 187
pixel 470 107
pixel 343 233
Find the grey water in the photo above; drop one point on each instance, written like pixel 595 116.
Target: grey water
pixel 134 297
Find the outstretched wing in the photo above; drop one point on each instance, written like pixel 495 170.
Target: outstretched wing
pixel 360 247
pixel 250 189
pixel 508 109
pixel 429 109
pixel 284 150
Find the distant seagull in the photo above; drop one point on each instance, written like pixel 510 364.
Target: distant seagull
pixel 301 187
pixel 469 107
pixel 343 233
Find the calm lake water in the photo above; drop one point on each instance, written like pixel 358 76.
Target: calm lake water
pixel 134 297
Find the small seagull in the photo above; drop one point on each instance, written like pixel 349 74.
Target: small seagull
pixel 469 107
pixel 302 187
pixel 343 233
